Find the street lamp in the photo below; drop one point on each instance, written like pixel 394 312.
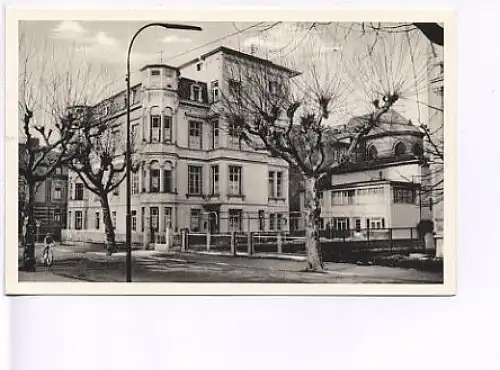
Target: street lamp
pixel 128 235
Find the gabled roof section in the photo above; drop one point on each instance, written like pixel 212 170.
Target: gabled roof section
pixel 226 50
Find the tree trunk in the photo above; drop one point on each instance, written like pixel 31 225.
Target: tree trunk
pixel 108 225
pixel 312 211
pixel 29 259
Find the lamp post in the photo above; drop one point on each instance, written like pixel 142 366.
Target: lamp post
pixel 128 235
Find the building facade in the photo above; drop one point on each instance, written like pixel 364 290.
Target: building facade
pixel 194 172
pixel 382 188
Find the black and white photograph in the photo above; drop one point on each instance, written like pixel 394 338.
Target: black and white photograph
pixel 285 156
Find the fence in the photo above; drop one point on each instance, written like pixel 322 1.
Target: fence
pixel 333 243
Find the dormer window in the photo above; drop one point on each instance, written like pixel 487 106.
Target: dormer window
pixel 198 66
pixel 196 93
pixel 155 72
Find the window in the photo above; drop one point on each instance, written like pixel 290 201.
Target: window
pixel 279 184
pixel 235 216
pixel 78 220
pixel 403 195
pixel 155 72
pixel 400 149
pixel 113 214
pixel 167 218
pixel 167 181
pixel 215 179
pixel 341 223
pixel 194 220
pixel 376 223
pixel 69 220
pixel 194 180
pixel 71 195
pixel 234 180
pixel 234 136
pixel 154 178
pixel 57 192
pixel 198 66
pixel 215 135
pixel 196 93
pixel 279 220
pixel 343 197
pixel 116 191
pixel 235 88
pixel 155 129
pixel 417 150
pixel 262 220
pixel 271 188
pixel 79 191
pixel 195 131
pixel 57 215
pixel 371 153
pixel 134 219
pixel 135 183
pixel 357 224
pixel 154 212
pixel 144 180
pixel 215 90
pixel 97 220
pixel 143 211
pixel 370 195
pixel 167 128
pixel 272 221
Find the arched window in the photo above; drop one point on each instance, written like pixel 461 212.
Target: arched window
pixel 167 186
pixel 399 149
pixel 371 153
pixel 154 134
pixel 167 125
pixel 154 177
pixel 417 150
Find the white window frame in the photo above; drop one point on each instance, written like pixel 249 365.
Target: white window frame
pixel 195 141
pixel 235 180
pixel 195 180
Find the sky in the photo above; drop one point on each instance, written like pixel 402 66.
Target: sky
pixel 331 50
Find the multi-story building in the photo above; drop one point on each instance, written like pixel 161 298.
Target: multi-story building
pixel 51 199
pixel 382 188
pixel 195 172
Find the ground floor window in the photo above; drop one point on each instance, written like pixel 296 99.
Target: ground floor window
pixel 376 223
pixel 341 223
pixel 154 217
pixel 57 215
pixel 235 218
pixel 272 221
pixel 69 220
pixel 142 219
pixel 78 220
pixel 279 221
pixel 134 220
pixel 357 224
pixel 97 220
pixel 167 222
pixel 114 219
pixel 194 221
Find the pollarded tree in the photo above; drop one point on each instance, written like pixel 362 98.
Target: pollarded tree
pixel 99 159
pixel 290 116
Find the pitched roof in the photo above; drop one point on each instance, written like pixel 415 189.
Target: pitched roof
pixel 240 54
pixel 390 122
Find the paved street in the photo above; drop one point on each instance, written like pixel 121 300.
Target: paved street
pixel 90 263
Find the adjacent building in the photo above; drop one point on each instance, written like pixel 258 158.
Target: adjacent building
pixel 382 188
pixel 194 172
pixel 51 200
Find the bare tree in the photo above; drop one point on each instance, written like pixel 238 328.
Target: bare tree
pixel 268 109
pixel 99 159
pixel 48 83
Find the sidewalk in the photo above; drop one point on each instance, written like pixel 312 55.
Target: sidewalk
pixel 154 266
